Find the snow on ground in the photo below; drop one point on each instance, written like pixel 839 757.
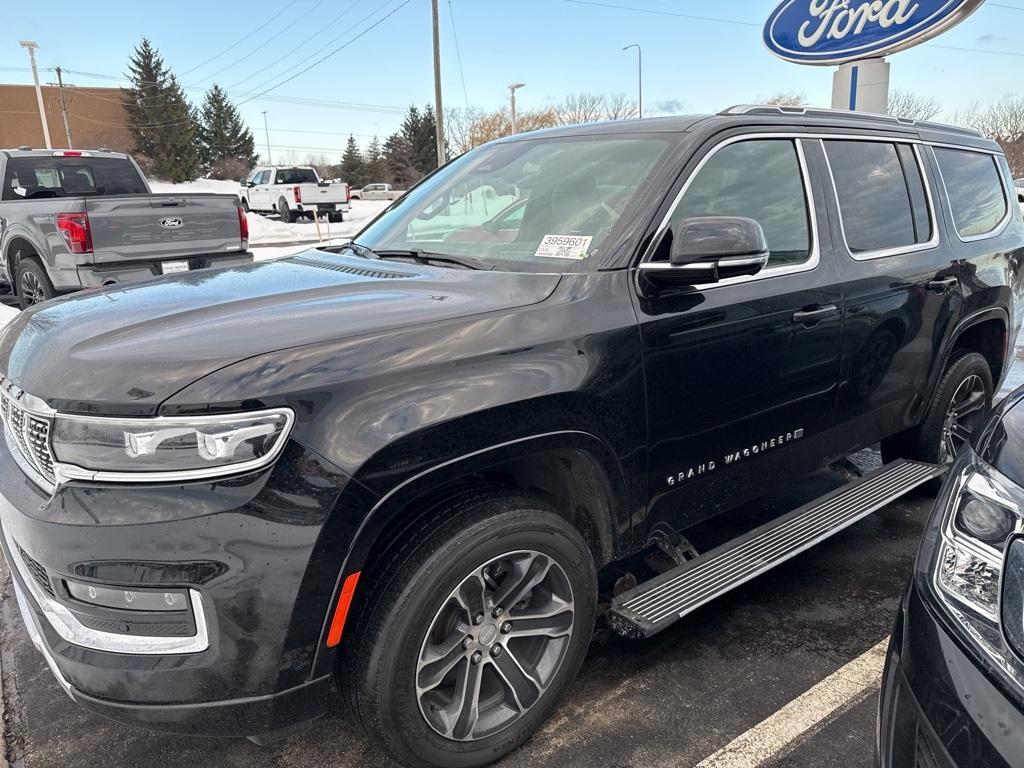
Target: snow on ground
pixel 6 314
pixel 265 230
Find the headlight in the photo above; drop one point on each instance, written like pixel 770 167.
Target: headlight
pixel 167 448
pixel 963 556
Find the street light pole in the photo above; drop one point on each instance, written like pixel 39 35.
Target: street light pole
pixel 31 46
pixel 512 97
pixel 267 132
pixel 438 107
pixel 639 76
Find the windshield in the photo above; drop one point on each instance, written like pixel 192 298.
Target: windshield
pixel 539 205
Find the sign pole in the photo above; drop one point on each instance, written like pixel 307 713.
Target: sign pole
pixel 862 85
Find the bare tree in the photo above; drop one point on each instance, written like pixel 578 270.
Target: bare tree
pixel 912 106
pixel 494 125
pixel 1002 121
pixel 581 108
pixel 458 128
pixel 619 106
pixel 787 99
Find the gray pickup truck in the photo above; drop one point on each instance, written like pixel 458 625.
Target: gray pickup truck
pixel 73 219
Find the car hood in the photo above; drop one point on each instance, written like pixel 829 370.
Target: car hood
pixel 126 349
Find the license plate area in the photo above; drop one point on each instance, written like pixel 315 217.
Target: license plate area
pixel 173 267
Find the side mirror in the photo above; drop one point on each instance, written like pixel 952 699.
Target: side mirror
pixel 707 249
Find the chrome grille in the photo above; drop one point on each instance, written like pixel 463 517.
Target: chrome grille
pixel 30 431
pixel 38 572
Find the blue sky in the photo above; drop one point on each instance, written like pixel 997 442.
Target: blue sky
pixel 556 47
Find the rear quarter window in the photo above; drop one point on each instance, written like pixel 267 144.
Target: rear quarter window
pixel 975 190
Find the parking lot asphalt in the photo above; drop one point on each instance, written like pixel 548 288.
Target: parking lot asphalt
pixel 771 674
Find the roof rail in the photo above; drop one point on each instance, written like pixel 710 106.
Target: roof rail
pixel 774 109
pixel 24 148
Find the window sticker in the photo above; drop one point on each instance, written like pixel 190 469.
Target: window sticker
pixel 564 247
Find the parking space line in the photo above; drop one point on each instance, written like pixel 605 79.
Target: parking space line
pixel 773 735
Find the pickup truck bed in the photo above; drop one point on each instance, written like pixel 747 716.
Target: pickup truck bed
pixel 76 237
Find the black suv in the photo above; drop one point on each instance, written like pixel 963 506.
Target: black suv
pixel 400 466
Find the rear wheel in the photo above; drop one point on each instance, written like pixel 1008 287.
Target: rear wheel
pixel 961 404
pixel 34 284
pixel 245 205
pixel 476 629
pixel 285 212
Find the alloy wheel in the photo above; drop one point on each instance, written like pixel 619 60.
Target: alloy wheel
pixel 495 645
pixel 31 288
pixel 965 412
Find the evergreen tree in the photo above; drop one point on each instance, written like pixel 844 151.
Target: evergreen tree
pixel 376 166
pixel 353 166
pixel 419 130
pixel 160 119
pixel 400 170
pixel 222 134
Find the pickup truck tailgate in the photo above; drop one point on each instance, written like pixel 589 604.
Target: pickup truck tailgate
pixel 163 226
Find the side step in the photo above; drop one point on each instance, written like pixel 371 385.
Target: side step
pixel 654 605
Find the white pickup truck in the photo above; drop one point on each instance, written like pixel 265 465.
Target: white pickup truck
pixel 293 192
pixel 377 192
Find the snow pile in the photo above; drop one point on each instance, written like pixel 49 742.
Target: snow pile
pixel 6 315
pixel 273 231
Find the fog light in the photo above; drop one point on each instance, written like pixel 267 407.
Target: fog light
pixel 127 599
pixel 986 521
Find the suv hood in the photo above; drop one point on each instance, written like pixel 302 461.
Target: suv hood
pixel 124 350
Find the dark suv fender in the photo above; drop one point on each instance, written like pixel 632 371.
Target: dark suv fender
pixel 592 479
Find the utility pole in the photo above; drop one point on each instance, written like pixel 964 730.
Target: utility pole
pixel 31 46
pixel 64 107
pixel 639 76
pixel 267 132
pixel 438 106
pixel 512 97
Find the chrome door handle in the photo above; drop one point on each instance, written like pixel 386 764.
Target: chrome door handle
pixel 941 286
pixel 812 316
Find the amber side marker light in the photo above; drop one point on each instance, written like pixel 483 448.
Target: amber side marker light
pixel 348 591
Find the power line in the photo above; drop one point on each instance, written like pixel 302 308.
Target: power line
pixel 240 41
pixel 336 51
pixel 258 48
pixel 323 47
pixel 274 63
pixel 458 54
pixel 664 13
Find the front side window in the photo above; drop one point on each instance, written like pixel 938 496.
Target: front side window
pixel 759 180
pixel 975 189
pixel 882 200
pixel 543 205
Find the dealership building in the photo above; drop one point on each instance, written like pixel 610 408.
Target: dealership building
pixel 96 117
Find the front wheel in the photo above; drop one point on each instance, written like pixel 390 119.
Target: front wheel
pixel 473 632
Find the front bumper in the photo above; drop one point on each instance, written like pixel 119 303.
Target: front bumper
pixel 244 548
pixel 938 708
pixel 100 274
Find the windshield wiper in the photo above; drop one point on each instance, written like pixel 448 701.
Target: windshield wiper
pixel 426 257
pixel 361 250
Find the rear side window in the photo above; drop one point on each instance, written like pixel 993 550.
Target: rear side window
pixel 40 177
pixel 975 190
pixel 882 199
pixel 760 180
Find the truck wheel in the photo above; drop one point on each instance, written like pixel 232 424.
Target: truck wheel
pixel 245 205
pixel 472 631
pixel 285 212
pixel 34 284
pixel 962 402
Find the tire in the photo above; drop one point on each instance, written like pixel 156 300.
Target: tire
pixel 285 212
pixel 33 284
pixel 413 603
pixel 245 205
pixel 940 434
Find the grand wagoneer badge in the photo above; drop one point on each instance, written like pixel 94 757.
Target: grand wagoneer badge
pixel 734 457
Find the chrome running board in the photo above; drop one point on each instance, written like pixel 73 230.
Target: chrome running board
pixel 654 605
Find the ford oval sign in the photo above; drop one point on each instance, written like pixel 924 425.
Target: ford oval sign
pixel 171 222
pixel 830 32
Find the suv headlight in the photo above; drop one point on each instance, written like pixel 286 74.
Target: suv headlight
pixel 167 448
pixel 979 515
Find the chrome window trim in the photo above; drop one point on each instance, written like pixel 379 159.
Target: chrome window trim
pixel 1003 223
pixel 73 631
pixel 68 472
pixel 882 253
pixel 814 256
